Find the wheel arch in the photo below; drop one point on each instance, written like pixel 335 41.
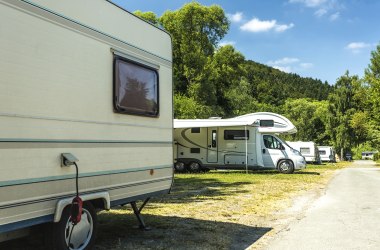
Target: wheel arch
pixel 98 200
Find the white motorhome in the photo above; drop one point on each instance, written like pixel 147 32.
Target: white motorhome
pixel 87 83
pixel 244 142
pixel 308 149
pixel 326 153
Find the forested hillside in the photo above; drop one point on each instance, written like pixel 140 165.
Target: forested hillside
pixel 210 80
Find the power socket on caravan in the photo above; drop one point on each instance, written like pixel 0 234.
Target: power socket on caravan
pixel 68 159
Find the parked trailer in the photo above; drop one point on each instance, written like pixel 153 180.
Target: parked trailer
pixel 244 142
pixel 327 153
pixel 308 149
pixel 368 155
pixel 87 83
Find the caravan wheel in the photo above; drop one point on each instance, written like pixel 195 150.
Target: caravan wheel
pixel 285 167
pixel 194 167
pixel 83 234
pixel 179 167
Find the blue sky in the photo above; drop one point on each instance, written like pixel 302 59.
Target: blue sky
pixel 313 38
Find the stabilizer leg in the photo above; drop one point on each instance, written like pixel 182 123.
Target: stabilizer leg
pixel 137 212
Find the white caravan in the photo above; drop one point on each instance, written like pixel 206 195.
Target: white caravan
pixel 368 155
pixel 87 83
pixel 308 149
pixel 244 142
pixel 326 153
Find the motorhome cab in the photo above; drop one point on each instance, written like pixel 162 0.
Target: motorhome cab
pixel 244 142
pixel 308 149
pixel 327 153
pixel 86 83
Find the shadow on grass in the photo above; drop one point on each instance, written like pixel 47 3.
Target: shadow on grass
pixel 199 188
pixel 119 231
pixel 307 173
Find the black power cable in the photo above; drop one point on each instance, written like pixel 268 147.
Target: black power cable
pixel 75 206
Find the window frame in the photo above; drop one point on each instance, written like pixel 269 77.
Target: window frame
pixel 246 133
pixel 117 108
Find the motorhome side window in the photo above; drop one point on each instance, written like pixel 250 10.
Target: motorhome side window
pixel 135 88
pixel 271 142
pixel 236 134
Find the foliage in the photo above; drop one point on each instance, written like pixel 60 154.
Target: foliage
pixel 309 116
pixel 188 108
pixel 218 81
pixel 148 16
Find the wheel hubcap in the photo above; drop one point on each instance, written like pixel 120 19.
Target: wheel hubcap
pixel 82 232
pixel 180 166
pixel 194 166
pixel 284 166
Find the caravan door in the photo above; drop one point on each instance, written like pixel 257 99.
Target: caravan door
pixel 272 150
pixel 212 142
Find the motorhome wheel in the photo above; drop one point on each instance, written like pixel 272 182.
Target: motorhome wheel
pixel 194 167
pixel 83 234
pixel 285 167
pixel 180 167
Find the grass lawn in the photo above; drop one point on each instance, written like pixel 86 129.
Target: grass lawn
pixel 214 210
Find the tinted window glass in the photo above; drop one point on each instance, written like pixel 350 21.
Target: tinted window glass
pixel 266 123
pixel 136 88
pixel 322 152
pixel 236 134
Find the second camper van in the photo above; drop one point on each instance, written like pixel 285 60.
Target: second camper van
pixel 245 142
pixel 308 149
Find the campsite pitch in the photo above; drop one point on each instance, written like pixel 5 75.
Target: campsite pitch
pixel 215 210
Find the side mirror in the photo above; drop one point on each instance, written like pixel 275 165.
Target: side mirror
pixel 282 147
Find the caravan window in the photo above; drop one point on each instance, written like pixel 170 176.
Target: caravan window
pixel 135 88
pixel 322 152
pixel 304 151
pixel 236 134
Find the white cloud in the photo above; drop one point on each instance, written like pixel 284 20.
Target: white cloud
pixel 283 61
pixel 235 18
pixel 320 12
pixel 328 8
pixel 306 65
pixel 357 45
pixel 286 69
pixel 290 64
pixel 283 27
pixel 257 25
pixel 224 43
pixel 334 16
pixel 309 3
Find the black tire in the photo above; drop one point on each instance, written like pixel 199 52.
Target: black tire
pixel 285 167
pixel 179 167
pixel 83 239
pixel 194 167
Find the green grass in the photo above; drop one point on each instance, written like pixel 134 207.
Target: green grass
pixel 213 209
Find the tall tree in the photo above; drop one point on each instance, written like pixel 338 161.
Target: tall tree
pixel 344 112
pixel 196 31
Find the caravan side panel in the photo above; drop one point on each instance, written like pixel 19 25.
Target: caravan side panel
pixel 56 96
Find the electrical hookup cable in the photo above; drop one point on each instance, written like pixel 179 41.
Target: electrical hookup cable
pixel 76 207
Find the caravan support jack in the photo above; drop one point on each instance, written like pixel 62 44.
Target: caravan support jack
pixel 137 212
